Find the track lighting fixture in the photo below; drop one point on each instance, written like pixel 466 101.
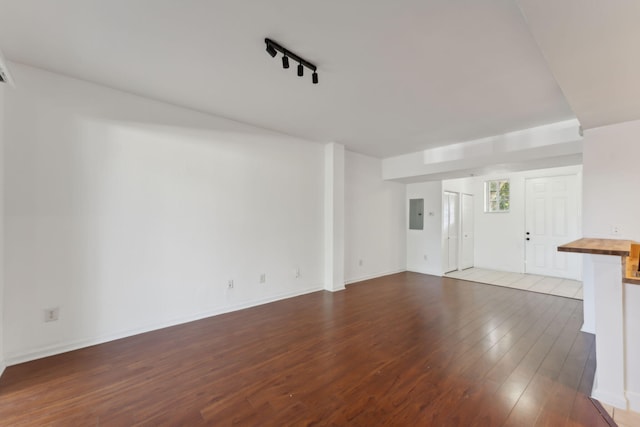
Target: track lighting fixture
pixel 271 51
pixel 273 48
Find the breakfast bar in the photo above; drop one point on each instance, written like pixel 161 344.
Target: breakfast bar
pixel 610 265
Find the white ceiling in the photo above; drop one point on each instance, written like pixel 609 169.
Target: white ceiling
pixel 593 49
pixel 395 76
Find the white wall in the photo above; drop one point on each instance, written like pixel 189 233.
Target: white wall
pixel 130 214
pixel 499 237
pixel 424 247
pixel 374 220
pixel 2 360
pixel 610 189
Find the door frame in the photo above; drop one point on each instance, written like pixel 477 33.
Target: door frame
pixel 578 176
pixel 460 234
pixel 445 194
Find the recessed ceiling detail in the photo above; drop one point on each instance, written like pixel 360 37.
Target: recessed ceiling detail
pixel 593 51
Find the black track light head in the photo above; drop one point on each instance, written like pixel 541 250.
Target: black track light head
pixel 300 70
pixel 270 50
pixel 285 62
pixel 314 78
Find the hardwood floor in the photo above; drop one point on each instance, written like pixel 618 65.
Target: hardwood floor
pixel 406 349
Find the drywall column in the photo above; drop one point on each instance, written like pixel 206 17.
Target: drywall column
pixel 334 217
pixel 609 384
pixel 606 261
pixel 610 210
pixel 2 363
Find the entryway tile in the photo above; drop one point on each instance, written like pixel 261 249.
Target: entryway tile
pixel 531 282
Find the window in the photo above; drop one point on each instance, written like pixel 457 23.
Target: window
pixel 496 196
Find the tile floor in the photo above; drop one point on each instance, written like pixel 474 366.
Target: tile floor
pixel 622 418
pixel 530 282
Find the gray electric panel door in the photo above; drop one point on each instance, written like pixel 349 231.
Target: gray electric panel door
pixel 416 214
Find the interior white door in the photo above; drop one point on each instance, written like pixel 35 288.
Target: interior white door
pixel 450 226
pixel 551 219
pixel 466 227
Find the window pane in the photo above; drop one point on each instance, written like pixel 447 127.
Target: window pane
pixel 497 196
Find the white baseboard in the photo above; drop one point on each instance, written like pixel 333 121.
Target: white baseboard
pixel 634 401
pixel 616 400
pixel 425 271
pixel 13 359
pixel 586 328
pixel 501 269
pixel 372 276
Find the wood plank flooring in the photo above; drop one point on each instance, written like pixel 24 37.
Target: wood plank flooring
pixel 406 349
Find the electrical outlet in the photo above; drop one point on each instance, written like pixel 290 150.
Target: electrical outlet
pixel 51 314
pixel 360 262
pixel 230 284
pixel 263 278
pixel 426 258
pixel 297 272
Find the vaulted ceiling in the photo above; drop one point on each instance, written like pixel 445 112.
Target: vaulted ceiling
pixel 593 51
pixel 395 76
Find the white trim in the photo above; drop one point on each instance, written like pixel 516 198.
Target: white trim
pixel 2 368
pixel 634 401
pixel 426 271
pixel 13 359
pixel 443 238
pixel 487 192
pixel 373 276
pixel 614 399
pixel 460 233
pixel 587 329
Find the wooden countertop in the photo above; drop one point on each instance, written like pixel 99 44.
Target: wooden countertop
pixel 628 249
pixel 632 265
pixel 598 246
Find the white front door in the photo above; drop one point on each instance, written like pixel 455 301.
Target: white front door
pixel 466 225
pixel 551 220
pixel 450 231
